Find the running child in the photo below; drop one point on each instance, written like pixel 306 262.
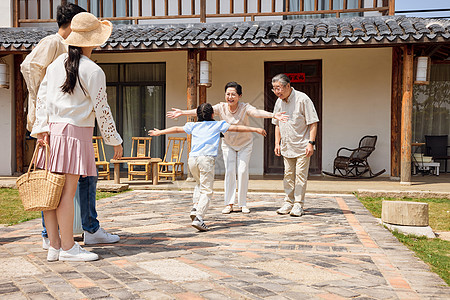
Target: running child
pixel 204 148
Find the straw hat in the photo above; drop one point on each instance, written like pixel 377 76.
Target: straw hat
pixel 88 31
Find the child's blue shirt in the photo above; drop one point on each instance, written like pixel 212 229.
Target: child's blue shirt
pixel 205 136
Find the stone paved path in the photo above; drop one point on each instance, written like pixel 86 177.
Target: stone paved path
pixel 336 250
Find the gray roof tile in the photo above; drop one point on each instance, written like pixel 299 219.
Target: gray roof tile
pixel 308 32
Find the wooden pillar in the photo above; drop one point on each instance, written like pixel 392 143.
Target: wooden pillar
pixel 391 7
pixel 202 11
pixel 202 88
pixel 191 93
pixel 396 109
pixel 406 127
pixel 19 114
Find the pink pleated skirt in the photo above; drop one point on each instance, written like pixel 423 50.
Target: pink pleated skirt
pixel 71 150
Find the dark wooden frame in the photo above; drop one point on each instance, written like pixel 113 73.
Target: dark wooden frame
pixel 387 8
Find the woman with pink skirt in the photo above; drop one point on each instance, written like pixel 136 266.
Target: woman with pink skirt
pixel 71 96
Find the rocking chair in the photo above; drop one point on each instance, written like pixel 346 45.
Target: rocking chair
pixel 355 165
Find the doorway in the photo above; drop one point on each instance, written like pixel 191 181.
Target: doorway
pixel 308 76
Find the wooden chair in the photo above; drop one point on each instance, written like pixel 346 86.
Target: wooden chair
pixel 100 160
pixel 355 165
pixel 143 147
pixel 171 166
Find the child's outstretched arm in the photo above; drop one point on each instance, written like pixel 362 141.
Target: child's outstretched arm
pixel 242 128
pixel 157 132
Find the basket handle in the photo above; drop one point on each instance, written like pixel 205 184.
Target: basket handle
pixel 34 158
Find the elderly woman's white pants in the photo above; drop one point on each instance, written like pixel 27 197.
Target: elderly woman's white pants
pixel 236 160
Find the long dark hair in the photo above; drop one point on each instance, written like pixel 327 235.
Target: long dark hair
pixel 71 64
pixel 205 112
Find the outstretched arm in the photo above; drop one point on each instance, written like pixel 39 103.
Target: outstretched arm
pixel 175 113
pixel 242 128
pixel 157 132
pixel 259 113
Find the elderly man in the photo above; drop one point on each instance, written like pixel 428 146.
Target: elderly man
pixel 294 140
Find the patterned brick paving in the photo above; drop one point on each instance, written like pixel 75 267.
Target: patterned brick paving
pixel 336 250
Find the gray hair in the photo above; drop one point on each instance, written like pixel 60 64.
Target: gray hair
pixel 281 78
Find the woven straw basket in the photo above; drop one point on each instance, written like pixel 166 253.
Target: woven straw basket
pixel 40 190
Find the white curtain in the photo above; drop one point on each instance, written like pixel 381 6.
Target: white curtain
pixel 431 104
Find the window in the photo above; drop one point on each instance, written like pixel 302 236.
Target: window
pixel 431 104
pixel 294 5
pixel 136 95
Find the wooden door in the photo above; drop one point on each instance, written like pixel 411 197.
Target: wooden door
pixel 312 86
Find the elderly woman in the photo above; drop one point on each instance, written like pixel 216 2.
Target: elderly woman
pixel 236 147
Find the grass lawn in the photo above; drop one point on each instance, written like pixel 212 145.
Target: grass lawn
pixel 435 252
pixel 11 209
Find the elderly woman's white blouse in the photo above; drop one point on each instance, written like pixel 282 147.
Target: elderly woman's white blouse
pixel 79 108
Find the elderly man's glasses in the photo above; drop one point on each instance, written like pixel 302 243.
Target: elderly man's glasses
pixel 278 88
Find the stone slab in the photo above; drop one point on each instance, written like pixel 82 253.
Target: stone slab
pixel 414 230
pixel 170 269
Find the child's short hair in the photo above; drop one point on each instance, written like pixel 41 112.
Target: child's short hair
pixel 205 112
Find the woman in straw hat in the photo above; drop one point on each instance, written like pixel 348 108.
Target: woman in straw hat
pixel 72 94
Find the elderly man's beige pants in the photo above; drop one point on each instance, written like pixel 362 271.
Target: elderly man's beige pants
pixel 295 177
pixel 202 169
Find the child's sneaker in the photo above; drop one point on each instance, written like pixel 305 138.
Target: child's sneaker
pixel 199 224
pixel 193 213
pixel 76 253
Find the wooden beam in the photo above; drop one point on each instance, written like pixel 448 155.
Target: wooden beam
pixel 406 124
pixel 396 108
pixel 202 88
pixel 20 114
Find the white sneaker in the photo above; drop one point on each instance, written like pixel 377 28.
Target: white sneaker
pixel 76 253
pixel 45 243
pixel 228 209
pixel 53 254
pixel 297 210
pixel 245 210
pixel 285 209
pixel 199 224
pixel 100 237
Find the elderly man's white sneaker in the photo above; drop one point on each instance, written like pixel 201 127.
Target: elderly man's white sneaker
pixel 297 210
pixel 285 209
pixel 245 210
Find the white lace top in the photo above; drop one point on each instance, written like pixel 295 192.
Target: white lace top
pixel 78 108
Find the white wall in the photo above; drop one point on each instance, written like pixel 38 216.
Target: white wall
pixel 356 93
pixel 6 8
pixel 7 125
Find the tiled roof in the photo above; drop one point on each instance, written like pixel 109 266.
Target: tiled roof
pixel 327 32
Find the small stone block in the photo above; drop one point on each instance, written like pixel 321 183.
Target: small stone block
pixel 405 213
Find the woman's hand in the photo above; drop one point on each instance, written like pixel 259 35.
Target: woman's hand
pixel 154 132
pixel 261 132
pixel 118 152
pixel 175 113
pixel 280 116
pixel 43 138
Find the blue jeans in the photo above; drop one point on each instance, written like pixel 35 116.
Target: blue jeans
pixel 87 187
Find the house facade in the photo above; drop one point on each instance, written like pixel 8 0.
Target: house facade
pixel 353 58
